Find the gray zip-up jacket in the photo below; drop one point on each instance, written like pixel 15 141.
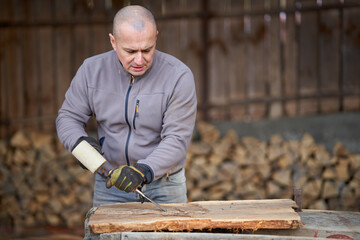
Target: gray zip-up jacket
pixel 147 120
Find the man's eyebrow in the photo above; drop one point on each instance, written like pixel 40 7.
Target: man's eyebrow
pixel 135 50
pixel 129 49
pixel 149 48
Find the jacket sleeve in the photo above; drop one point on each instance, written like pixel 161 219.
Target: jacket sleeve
pixel 177 128
pixel 75 111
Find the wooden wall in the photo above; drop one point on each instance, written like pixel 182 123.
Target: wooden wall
pixel 252 59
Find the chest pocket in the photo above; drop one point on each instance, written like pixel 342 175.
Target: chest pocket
pixel 149 113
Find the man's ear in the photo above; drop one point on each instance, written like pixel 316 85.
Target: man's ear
pixel 112 41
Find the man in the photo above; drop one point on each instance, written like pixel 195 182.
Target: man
pixel 144 102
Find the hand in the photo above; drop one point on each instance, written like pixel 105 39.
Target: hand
pixel 125 178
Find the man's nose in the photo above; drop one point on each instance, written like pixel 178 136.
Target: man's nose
pixel 138 58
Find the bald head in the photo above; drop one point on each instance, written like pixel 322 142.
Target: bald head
pixel 134 39
pixel 137 17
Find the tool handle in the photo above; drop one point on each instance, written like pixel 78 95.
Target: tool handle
pixel 108 183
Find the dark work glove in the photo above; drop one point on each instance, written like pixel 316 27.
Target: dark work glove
pixel 125 178
pixel 92 141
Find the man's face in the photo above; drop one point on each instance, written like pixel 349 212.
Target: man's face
pixel 135 49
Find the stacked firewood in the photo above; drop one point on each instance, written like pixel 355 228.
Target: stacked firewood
pixel 226 168
pixel 41 183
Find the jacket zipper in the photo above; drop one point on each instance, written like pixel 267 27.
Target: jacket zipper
pixel 136 113
pixel 127 120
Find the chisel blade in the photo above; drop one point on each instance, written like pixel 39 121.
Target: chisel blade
pixel 150 200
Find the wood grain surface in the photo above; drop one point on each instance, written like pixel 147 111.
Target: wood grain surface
pixel 206 215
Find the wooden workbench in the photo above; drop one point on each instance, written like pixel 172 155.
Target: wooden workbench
pixel 316 224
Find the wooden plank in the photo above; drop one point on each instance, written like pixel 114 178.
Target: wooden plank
pixel 5 10
pixel 47 82
pixel 329 59
pixel 351 59
pixel 317 224
pixel 31 75
pixel 255 64
pixel 205 215
pixel 63 10
pixel 218 62
pixel 180 37
pixel 101 41
pixel 82 45
pixel 42 10
pixel 190 45
pixel 222 55
pixel 15 91
pixel 290 57
pixel 274 66
pixel 62 51
pixel 237 71
pixel 227 39
pixel 168 38
pixel 98 9
pixel 308 62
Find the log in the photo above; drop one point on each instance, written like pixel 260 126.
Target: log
pixel 227 171
pixel 230 215
pixel 231 137
pixel 20 140
pixel 323 156
pixel 222 148
pixel 211 171
pixel 215 159
pixel 199 148
pixel 275 149
pixel 330 189
pixel 282 177
pixel 219 191
pixel 319 205
pixel 240 155
pixel 355 161
pixel 347 198
pixel 72 216
pixel 3 148
pixel 340 150
pixel 264 170
pixel 342 169
pixel 312 189
pixel 273 189
pixel 208 133
pixel 256 150
pixel 314 168
pixel 41 140
pixel 42 197
pixel 196 194
pixel 329 173
pixel 306 147
pixel 285 161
